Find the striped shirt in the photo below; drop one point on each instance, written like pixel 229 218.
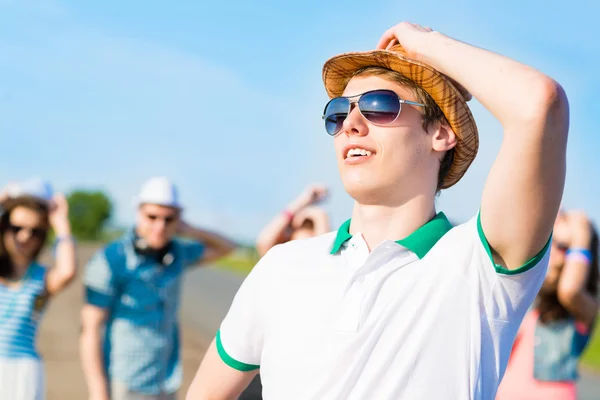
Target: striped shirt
pixel 21 308
pixel 142 295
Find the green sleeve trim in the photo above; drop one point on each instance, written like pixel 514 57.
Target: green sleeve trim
pixel 233 363
pixel 500 269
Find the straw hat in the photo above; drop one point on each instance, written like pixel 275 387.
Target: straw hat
pixel 449 96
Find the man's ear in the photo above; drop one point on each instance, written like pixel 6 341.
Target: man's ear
pixel 442 137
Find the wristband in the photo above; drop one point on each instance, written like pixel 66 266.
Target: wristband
pixel 289 215
pixel 65 238
pixel 583 255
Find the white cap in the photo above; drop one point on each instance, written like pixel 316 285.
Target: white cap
pixel 159 190
pixel 36 187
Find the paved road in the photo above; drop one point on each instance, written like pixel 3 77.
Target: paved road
pixel 209 292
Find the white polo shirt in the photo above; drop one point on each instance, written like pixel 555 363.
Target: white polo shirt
pixel 427 317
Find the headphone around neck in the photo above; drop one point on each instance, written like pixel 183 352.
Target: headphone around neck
pixel 162 256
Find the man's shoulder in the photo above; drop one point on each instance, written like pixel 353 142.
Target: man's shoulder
pixel 112 253
pixel 300 251
pixel 314 246
pixel 115 247
pixel 293 257
pixel 461 236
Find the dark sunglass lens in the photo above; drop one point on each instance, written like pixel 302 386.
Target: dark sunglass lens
pixel 379 107
pixel 35 232
pixel 335 114
pixel 38 232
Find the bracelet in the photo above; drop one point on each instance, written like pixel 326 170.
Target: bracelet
pixel 583 255
pixel 59 239
pixel 66 238
pixel 289 215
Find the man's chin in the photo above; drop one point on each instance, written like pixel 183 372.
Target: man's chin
pixel 364 193
pixel 157 244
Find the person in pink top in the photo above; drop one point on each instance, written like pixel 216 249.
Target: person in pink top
pixel 556 331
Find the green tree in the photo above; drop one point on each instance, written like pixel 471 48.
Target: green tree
pixel 88 212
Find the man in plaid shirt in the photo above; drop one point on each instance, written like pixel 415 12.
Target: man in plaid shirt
pixel 133 289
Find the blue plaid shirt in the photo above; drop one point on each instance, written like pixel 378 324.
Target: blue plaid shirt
pixel 141 346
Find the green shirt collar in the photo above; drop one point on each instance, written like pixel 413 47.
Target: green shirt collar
pixel 419 242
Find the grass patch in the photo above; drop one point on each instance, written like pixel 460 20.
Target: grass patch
pixel 241 261
pixel 591 357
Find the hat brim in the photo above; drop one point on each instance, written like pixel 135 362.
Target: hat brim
pixel 338 70
pixel 137 202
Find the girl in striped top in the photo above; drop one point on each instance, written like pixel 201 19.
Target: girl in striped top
pixel 26 286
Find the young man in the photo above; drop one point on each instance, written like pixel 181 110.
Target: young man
pixel 398 304
pixel 133 289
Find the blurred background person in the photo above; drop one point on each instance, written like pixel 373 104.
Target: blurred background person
pixel 556 331
pixel 133 289
pixel 29 210
pixel 300 220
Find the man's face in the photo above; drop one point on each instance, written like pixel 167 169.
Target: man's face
pixel 401 159
pixel 157 224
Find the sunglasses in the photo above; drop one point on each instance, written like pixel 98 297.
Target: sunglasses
pixel 35 232
pixel 168 219
pixel 380 107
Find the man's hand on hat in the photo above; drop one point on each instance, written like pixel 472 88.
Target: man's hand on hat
pixel 410 36
pixel 59 215
pixel 183 228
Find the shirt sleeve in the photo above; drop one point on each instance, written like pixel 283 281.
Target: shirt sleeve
pixel 191 252
pixel 508 293
pixel 99 281
pixel 241 335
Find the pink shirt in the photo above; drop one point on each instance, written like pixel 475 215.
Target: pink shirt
pixel 518 382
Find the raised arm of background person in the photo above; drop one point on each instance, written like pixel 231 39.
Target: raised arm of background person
pixel 65 266
pixel 317 215
pixel 571 291
pixel 275 231
pixel 215 245
pixel 523 191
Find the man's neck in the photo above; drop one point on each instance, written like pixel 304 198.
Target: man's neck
pixel 380 223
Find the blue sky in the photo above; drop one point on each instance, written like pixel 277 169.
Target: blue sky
pixel 225 98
